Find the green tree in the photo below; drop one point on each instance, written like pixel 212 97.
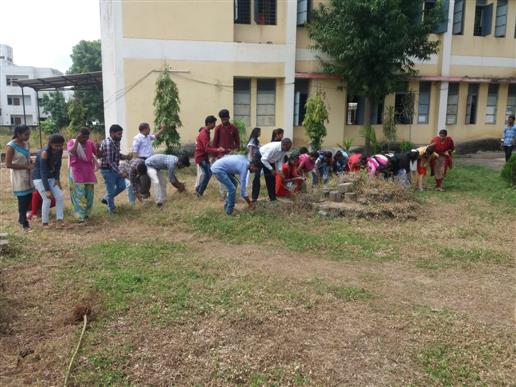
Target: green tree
pixel 77 113
pixel 166 111
pixel 315 117
pixel 54 104
pixel 372 44
pixel 86 57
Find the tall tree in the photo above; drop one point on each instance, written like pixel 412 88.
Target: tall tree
pixel 372 44
pixel 166 111
pixel 86 57
pixel 54 104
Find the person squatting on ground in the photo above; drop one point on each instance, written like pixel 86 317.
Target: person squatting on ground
pixel 509 137
pixel 443 146
pixel 81 173
pixel 109 167
pixel 46 178
pixel 202 153
pixel 157 165
pixel 270 157
pixel 340 162
pixel 288 180
pixel 225 169
pixel 323 167
pixel 17 159
pixel 138 182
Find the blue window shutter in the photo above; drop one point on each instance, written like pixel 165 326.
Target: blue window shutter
pixel 443 26
pixel 487 20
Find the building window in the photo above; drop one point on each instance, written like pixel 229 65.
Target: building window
pixel 501 18
pixel 427 8
pixel 13 101
pixel 16 120
pixel 303 11
pixel 265 12
pixel 377 113
pixel 242 11
pixel 458 17
pixel 300 97
pixel 242 100
pixel 472 103
pixel 355 111
pixel 424 102
pixel 492 101
pixel 453 104
pixel 483 18
pixel 511 101
pixel 404 106
pixel 266 102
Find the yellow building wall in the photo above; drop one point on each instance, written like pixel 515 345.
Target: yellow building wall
pixel 204 89
pixel 193 20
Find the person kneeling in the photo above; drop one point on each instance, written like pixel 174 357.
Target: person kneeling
pixel 225 169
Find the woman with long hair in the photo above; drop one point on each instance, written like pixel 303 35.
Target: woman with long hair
pixel 17 158
pixel 46 180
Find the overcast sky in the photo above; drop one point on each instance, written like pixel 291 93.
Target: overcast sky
pixel 43 32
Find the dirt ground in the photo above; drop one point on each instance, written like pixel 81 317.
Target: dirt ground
pixel 261 312
pixel 493 160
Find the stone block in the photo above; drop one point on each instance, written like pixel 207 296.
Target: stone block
pixel 350 196
pixel 345 187
pixel 335 196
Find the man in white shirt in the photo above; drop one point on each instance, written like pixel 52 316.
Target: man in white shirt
pixel 271 157
pixel 142 148
pixel 142 142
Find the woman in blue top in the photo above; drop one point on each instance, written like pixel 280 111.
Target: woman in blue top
pixel 46 178
pixel 17 158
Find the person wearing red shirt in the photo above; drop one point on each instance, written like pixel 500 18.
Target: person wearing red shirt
pixel 201 154
pixel 443 146
pixel 289 181
pixel 226 135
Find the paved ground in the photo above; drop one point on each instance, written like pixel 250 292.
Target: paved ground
pixel 493 160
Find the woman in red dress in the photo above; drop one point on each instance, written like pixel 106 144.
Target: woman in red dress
pixel 289 181
pixel 443 146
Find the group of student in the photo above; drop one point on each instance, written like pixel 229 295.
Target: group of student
pixel 38 184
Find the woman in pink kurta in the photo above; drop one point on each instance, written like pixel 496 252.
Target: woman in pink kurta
pixel 82 173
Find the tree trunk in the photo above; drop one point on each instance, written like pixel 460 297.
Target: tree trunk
pixel 368 104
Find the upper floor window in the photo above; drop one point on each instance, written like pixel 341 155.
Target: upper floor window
pixel 13 101
pixel 501 18
pixel 458 17
pixel 483 18
pixel 265 12
pixel 242 11
pixel 303 11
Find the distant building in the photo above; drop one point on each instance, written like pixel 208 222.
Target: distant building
pixel 11 100
pixel 254 58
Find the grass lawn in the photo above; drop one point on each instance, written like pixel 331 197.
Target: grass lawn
pixel 189 296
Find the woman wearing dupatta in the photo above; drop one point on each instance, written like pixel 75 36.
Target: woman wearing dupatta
pixel 82 174
pixel 289 181
pixel 443 147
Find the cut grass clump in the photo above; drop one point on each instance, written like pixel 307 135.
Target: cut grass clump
pixel 346 293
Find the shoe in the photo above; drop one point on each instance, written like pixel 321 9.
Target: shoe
pixel 104 201
pixel 160 205
pixel 198 195
pixel 26 227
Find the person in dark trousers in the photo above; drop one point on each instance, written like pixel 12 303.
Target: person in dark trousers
pixel 203 150
pixel 17 159
pixel 509 137
pixel 109 168
pixel 271 158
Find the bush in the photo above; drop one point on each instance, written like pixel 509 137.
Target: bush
pixel 509 171
pixel 406 146
pixel 242 133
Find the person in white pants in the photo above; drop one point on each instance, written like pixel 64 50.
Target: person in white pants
pixel 157 165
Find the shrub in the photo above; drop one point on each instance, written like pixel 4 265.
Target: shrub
pixel 242 133
pixel 509 171
pixel 315 117
pixel 405 146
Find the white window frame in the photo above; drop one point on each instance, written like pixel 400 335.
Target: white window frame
pixel 452 105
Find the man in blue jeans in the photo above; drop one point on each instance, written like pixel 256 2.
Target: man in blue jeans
pixel 202 152
pixel 225 169
pixel 109 168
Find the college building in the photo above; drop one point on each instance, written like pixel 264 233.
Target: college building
pixel 11 97
pixel 254 58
